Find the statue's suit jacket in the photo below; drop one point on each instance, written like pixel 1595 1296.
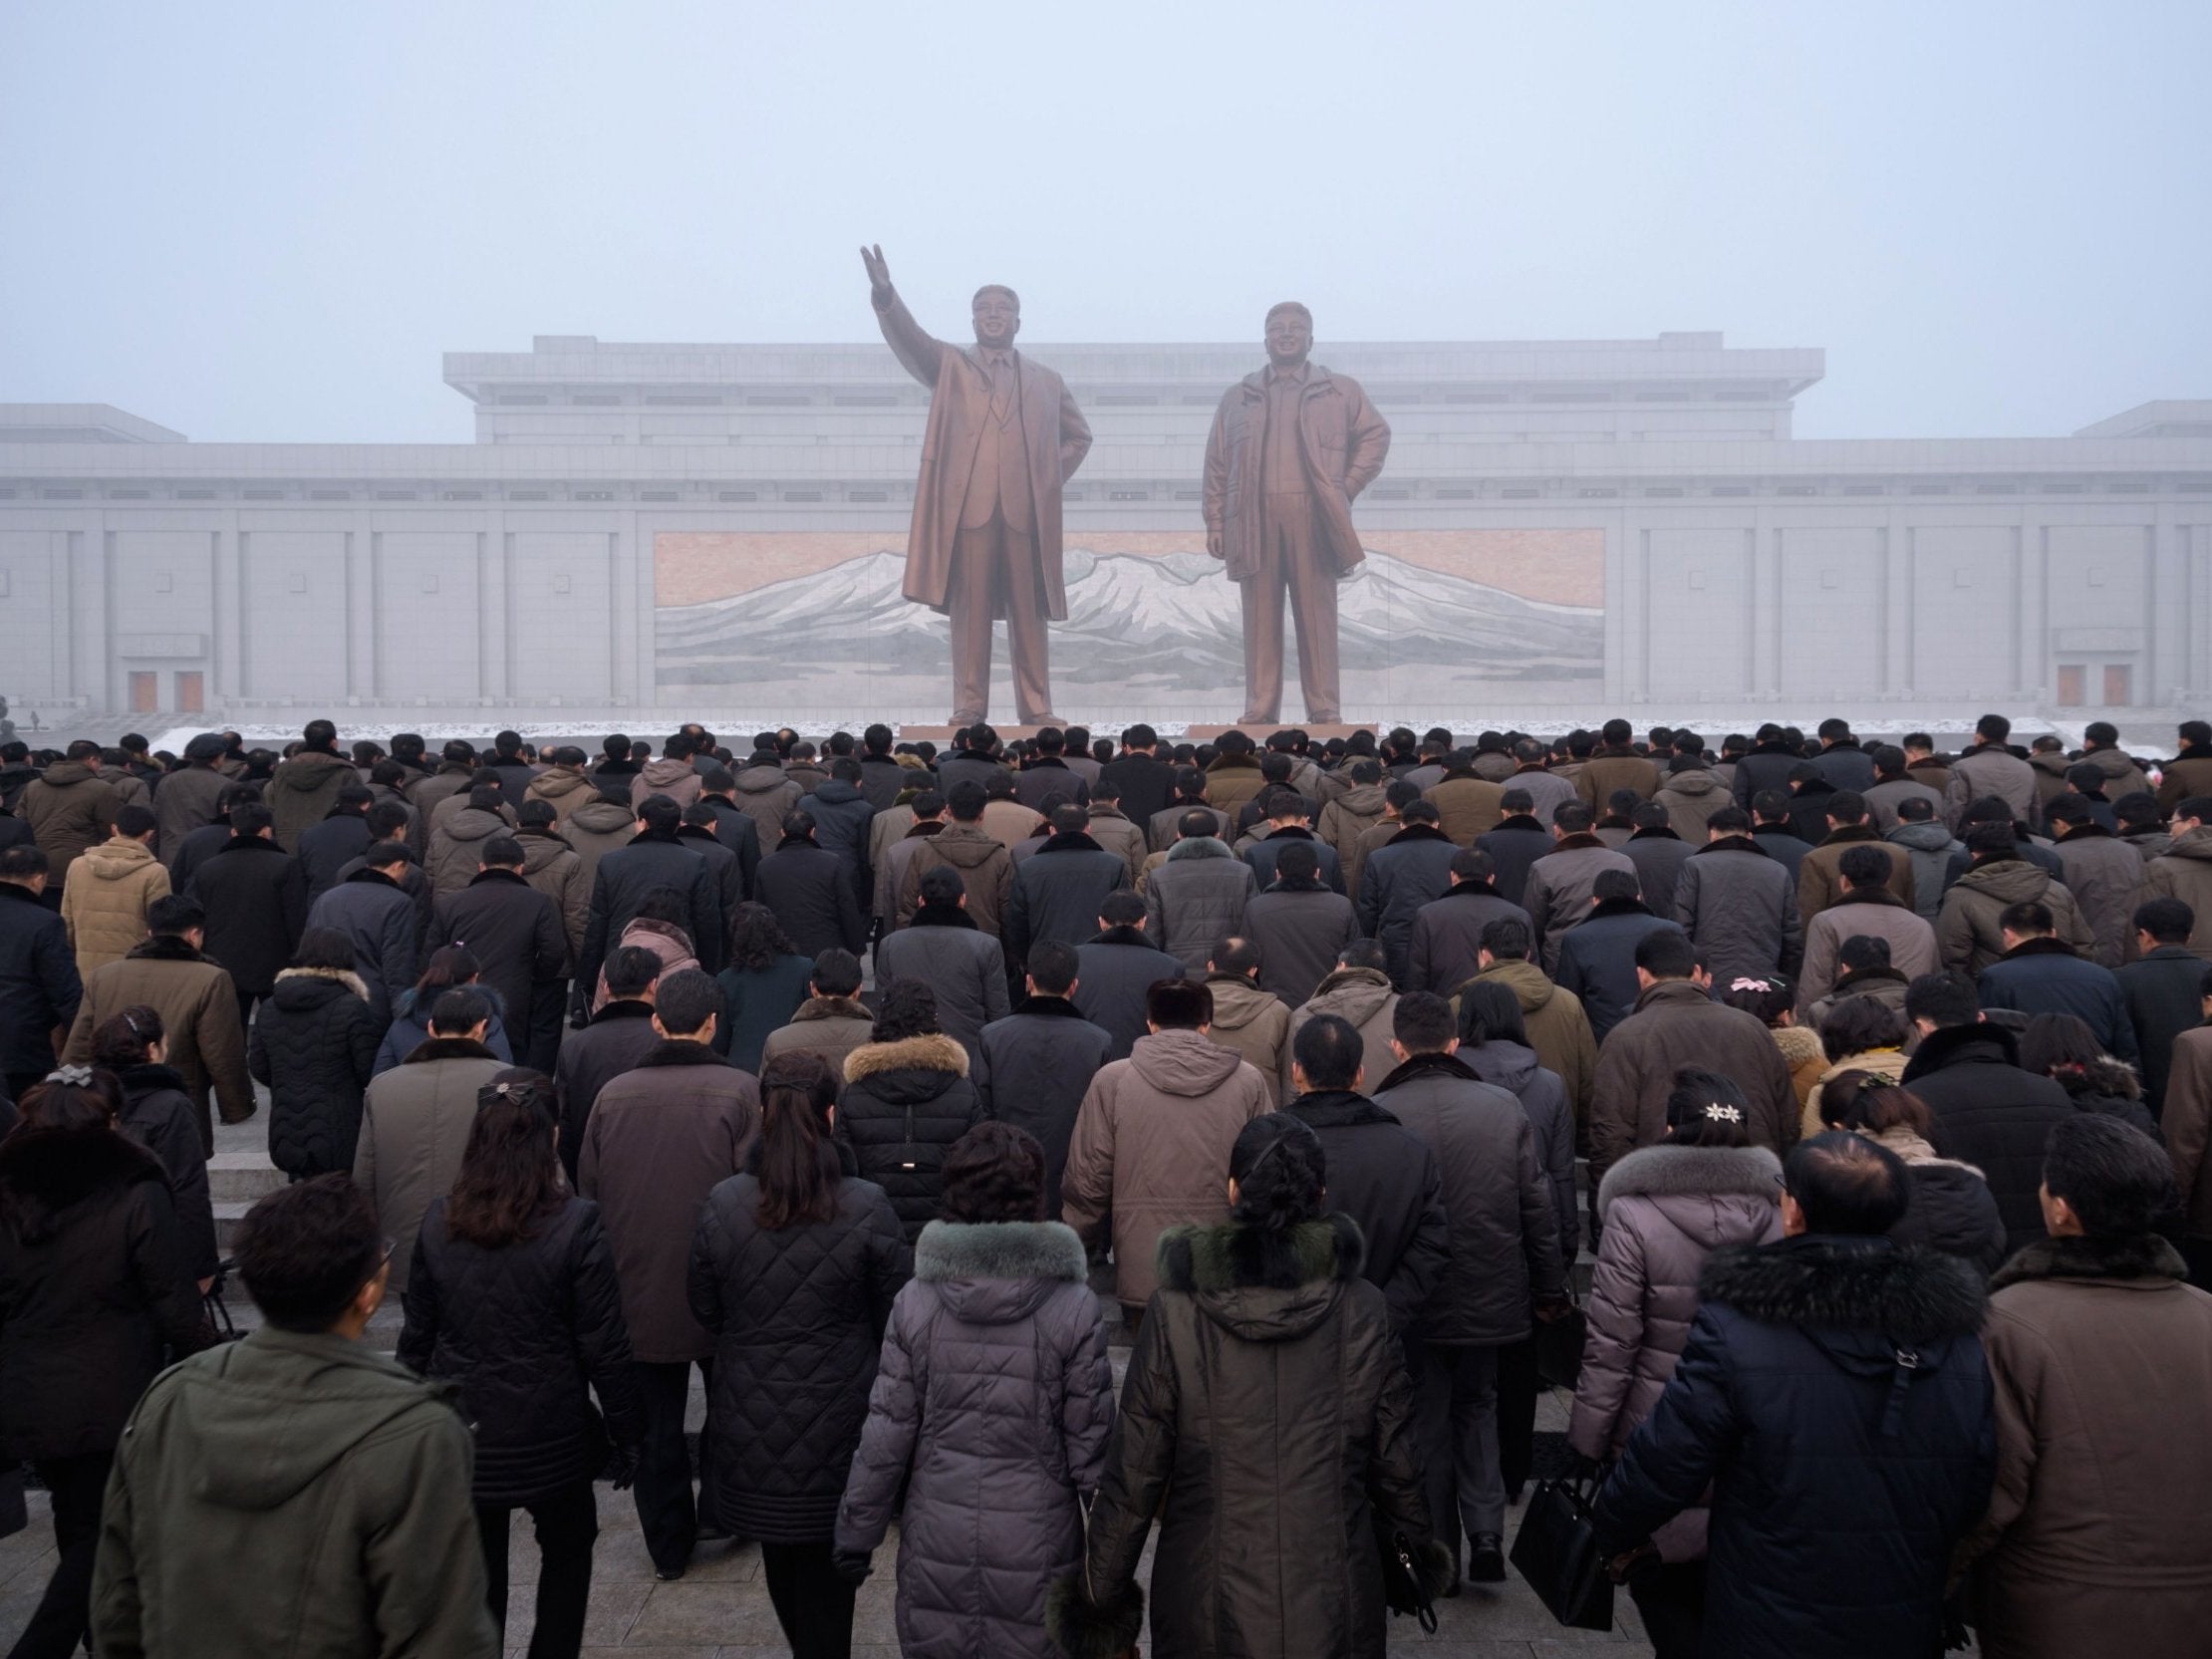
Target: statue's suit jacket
pixel 1341 439
pixel 1054 433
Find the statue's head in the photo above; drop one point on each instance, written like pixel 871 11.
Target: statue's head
pixel 998 310
pixel 1290 334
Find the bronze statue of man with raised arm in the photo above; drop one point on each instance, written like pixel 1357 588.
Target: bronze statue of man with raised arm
pixel 1003 437
pixel 1292 446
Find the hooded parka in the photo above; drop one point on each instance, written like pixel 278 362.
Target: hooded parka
pixel 315 1046
pixel 903 1106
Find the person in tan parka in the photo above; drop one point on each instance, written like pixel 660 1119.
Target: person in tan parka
pixel 1968 933
pixel 69 808
pixel 115 884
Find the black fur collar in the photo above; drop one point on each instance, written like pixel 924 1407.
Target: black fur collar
pixel 1123 936
pixel 1660 834
pixel 15 890
pixel 447 1048
pixel 1617 906
pixel 679 1051
pixel 1073 842
pixel 1525 822
pixel 1417 832
pixel 942 915
pixel 44 1172
pixel 164 948
pixel 1908 1295
pixel 1869 896
pixel 627 1008
pixel 2040 947
pixel 2147 1258
pixel 1735 844
pixel 1985 1043
pixel 1428 1065
pixel 1048 1007
pixel 1233 1256
pixel 1297 884
pixel 141 1080
pixel 1472 889
pixel 1337 1109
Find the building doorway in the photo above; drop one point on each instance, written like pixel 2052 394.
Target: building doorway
pixel 2093 685
pixel 191 692
pixel 146 693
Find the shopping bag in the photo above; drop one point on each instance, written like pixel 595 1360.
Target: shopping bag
pixel 1560 1348
pixel 1556 1551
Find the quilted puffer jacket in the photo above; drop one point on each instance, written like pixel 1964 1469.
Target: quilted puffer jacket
pixel 797 1314
pixel 1665 1210
pixel 994 1390
pixel 528 1331
pixel 903 1106
pixel 315 1046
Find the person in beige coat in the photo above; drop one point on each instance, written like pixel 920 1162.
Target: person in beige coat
pixel 1968 932
pixel 117 884
pixel 415 1118
pixel 1153 1135
pixel 1359 991
pixel 69 808
pixel 832 1022
pixel 1253 1023
pixel 1558 1026
pixel 1866 907
pixel 2098 1538
pixel 1348 816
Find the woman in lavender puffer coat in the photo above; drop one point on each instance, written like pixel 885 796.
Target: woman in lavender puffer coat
pixel 994 1390
pixel 1665 1209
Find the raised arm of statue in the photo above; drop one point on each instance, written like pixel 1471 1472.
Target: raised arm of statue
pixel 921 353
pixel 1370 442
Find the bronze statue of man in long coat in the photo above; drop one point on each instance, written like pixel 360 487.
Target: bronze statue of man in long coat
pixel 1003 437
pixel 1292 446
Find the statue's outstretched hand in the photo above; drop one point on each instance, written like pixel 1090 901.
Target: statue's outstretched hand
pixel 879 273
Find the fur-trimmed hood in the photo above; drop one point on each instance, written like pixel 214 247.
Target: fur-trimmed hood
pixel 1006 1253
pixel 1201 846
pixel 932 1052
pixel 1800 1046
pixel 1261 1285
pixel 344 977
pixel 1869 1285
pixel 2148 1260
pixel 1665 1171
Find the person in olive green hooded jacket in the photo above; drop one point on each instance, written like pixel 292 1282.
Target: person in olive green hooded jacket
pixel 295 1496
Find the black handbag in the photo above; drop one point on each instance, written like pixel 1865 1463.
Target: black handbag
pixel 1556 1553
pixel 1560 1348
pixel 15 1515
pixel 1402 1590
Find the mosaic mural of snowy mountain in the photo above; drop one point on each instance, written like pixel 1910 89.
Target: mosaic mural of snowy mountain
pixel 1143 625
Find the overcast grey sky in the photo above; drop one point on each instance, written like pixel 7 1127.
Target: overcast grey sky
pixel 266 222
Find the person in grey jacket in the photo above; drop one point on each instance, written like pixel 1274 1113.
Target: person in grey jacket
pixel 1558 894
pixel 1198 897
pixel 1505 1267
pixel 1448 932
pixel 378 916
pixel 1406 872
pixel 1300 925
pixel 1739 904
pixel 1057 890
pixel 1928 840
pixel 991 1411
pixel 944 950
pixel 1032 1068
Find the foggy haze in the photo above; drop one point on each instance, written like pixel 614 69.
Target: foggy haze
pixel 266 224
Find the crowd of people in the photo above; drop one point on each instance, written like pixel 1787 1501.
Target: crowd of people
pixel 1876 1080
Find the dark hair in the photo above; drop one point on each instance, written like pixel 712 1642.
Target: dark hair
pixel 630 970
pixel 909 1010
pixel 1491 1012
pixel 836 973
pixel 1667 954
pixel 1856 1024
pixel 1121 909
pixel 1300 861
pixel 304 1252
pixel 1507 939
pixel 1179 1005
pixel 503 852
pixel 686 1000
pixel 659 814
pixel 449 966
pixel 510 1180
pixel 385 854
pixel 1707 1108
pixel 2167 920
pixel 52 1104
pixel 1572 816
pixel 1280 1172
pixel 2117 1181
pixel 668 905
pixel 1196 824
pixel 1862 951
pixel 796 1164
pixel 1364 953
pixel 994 1173
pixel 174 916
pixel 1615 886
pixel 2028 917
pixel 128 1038
pixel 1767 998
pixel 1420 812
pixel 1053 965
pixel 23 861
pixel 458 1011
pixel 1948 998
pixel 1864 865
pixel 1423 1023
pixel 1235 955
pixel 1847 1183
pixel 941 884
pixel 1870 1103
pixel 134 820
pixel 1329 1050
pixel 757 937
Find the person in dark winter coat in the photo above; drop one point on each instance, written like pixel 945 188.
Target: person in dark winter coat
pixel 1598 955
pixel 191 797
pixel 842 814
pixel 1504 1260
pixel 315 1046
pixel 1301 926
pixel 655 857
pixel 1381 1174
pixel 1198 897
pixel 1658 854
pixel 512 1299
pixel 303 789
pixel 1266 1421
pixel 1833 1398
pixel 95 1285
pixel 1495 1044
pixel 812 893
pixel 762 986
pixel 1952 1209
pixel 943 948
pixel 1410 869
pixel 519 943
pixel 1984 1110
pixel 343 836
pixel 1447 942
pixel 2040 974
pixel 996 1395
pixel 1116 969
pixel 1057 890
pixel 660 1138
pixel 1519 839
pixel 158 1113
pixel 373 910
pixel 2098 1539
pixel 1738 903
pixel 1667 1208
pixel 255 897
pixel 2067 1050
pixel 794 1267
pixel 2165 990
pixel 906 1098
pixel 39 986
pixel 1032 1068
pixel 410 1009
pixel 613 1043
